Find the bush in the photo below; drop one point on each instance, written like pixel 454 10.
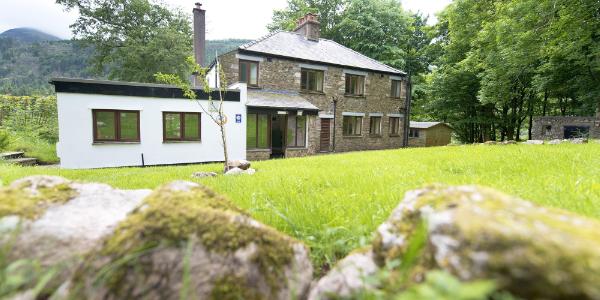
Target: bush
pixel 4 139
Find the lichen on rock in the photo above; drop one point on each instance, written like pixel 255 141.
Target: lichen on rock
pixel 227 246
pixel 29 197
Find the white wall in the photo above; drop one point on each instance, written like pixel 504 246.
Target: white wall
pixel 76 148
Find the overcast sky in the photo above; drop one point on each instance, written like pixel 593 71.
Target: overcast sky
pixel 222 15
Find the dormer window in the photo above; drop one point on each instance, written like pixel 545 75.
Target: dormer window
pixel 355 85
pixel 249 72
pixel 311 80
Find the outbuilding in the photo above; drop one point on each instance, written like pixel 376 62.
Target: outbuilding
pixel 429 134
pixel 115 124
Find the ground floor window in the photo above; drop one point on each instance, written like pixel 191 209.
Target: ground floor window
pixel 375 125
pixel 181 126
pixel 394 126
pixel 116 125
pixel 413 133
pixel 296 131
pixel 352 126
pixel 257 131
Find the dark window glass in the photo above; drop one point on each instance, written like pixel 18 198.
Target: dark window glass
pixel 116 125
pixel 396 89
pixel 181 126
pixel 355 85
pixel 394 126
pixel 263 131
pixel 375 125
pixel 251 131
pixel 296 131
pixel 414 133
pixel 249 72
pixel 311 80
pixel 352 126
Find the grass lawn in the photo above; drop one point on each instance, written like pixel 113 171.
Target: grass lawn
pixel 334 202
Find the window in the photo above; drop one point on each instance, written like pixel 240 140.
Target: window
pixel 375 125
pixel 548 130
pixel 116 125
pixel 355 85
pixel 257 131
pixel 311 80
pixel 396 89
pixel 413 133
pixel 181 126
pixel 394 126
pixel 352 126
pixel 249 72
pixel 296 131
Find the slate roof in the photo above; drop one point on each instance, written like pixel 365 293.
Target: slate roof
pixel 294 45
pixel 278 99
pixel 425 125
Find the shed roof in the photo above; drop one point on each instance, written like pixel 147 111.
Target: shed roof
pixel 295 45
pixel 426 125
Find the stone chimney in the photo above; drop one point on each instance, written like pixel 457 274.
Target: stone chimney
pixel 199 33
pixel 309 27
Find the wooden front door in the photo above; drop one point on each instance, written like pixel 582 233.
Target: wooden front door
pixel 325 135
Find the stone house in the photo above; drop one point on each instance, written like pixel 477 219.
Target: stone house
pixel 308 95
pixel 429 134
pixel 565 127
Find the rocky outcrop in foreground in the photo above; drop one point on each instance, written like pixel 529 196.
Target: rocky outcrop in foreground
pixel 478 233
pixel 183 241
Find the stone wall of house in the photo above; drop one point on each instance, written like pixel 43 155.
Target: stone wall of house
pixel 552 127
pixel 283 74
pixel 420 141
pixel 259 154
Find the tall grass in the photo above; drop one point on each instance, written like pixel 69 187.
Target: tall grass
pixel 334 202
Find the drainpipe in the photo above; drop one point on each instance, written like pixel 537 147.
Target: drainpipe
pixel 334 100
pixel 407 110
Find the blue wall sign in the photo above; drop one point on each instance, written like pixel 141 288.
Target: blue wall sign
pixel 238 118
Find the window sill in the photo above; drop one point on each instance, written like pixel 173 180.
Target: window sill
pixel 394 135
pixel 312 92
pixel 258 150
pixel 182 142
pixel 375 135
pixel 114 143
pixel 354 96
pixel 296 148
pixel 352 136
pixel 254 87
pixel 396 98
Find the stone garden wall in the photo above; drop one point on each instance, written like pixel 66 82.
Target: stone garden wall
pixel 552 127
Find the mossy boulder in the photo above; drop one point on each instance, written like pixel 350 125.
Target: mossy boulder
pixel 476 233
pixel 186 241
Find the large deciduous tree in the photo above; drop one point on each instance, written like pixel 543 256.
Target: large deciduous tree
pixel 133 39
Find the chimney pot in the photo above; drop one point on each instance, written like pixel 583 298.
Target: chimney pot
pixel 309 27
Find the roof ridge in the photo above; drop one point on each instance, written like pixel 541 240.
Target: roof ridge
pixel 260 39
pixel 374 60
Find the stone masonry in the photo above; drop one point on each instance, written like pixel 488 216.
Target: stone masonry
pixel 284 74
pixel 552 127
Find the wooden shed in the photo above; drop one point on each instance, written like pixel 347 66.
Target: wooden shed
pixel 429 134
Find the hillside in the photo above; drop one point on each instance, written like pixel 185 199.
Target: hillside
pixel 26 67
pixel 29 35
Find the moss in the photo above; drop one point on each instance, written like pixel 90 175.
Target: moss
pixel 234 288
pixel 17 201
pixel 170 218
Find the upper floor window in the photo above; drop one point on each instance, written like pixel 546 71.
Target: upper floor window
pixel 352 126
pixel 396 88
pixel 181 126
pixel 249 72
pixel 296 131
pixel 312 80
pixel 116 125
pixel 355 85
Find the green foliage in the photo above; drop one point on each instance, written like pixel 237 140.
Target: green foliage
pixel 4 139
pixel 32 123
pixel 441 285
pixel 134 38
pixel 330 15
pixel 502 62
pixel 334 202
